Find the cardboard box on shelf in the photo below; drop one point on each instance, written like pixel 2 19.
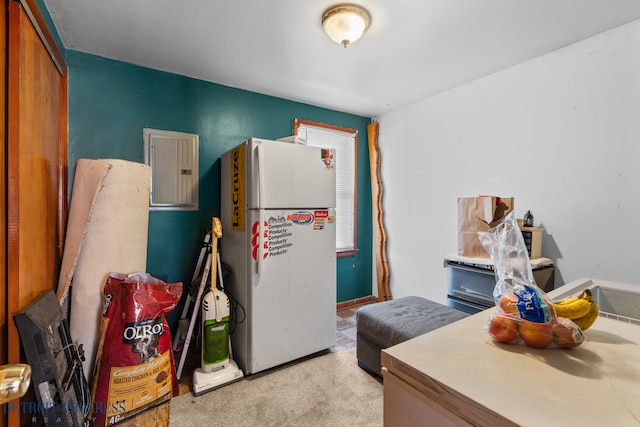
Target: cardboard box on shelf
pixel 532 240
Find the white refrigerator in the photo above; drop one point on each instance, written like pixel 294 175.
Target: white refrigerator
pixel 279 239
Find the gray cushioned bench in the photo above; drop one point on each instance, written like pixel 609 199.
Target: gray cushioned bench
pixel 382 325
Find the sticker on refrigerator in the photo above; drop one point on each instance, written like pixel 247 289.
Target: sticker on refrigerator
pixel 237 188
pixel 319 219
pixel 255 240
pixel 279 236
pixel 328 157
pixel 276 237
pixel 300 218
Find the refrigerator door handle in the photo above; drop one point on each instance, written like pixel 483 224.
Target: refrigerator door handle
pixel 261 250
pixel 261 186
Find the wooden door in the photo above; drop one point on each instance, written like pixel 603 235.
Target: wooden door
pixel 36 159
pixel 3 192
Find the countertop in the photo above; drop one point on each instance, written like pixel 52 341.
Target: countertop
pixel 460 367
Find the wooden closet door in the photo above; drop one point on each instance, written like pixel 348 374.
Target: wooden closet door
pixel 3 189
pixel 36 153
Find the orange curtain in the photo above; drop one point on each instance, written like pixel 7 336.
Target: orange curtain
pixel 382 267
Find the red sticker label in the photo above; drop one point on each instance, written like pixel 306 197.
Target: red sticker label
pixel 255 240
pixel 301 217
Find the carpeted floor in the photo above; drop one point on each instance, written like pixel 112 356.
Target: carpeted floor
pixel 326 390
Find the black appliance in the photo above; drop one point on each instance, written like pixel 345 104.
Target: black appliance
pixel 56 365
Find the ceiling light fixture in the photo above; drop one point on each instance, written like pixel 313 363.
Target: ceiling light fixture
pixel 345 23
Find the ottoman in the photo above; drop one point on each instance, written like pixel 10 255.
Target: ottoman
pixel 384 324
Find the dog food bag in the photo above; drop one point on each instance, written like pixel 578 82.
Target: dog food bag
pixel 134 368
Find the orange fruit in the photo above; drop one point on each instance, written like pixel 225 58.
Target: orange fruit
pixel 538 335
pixel 508 303
pixel 566 334
pixel 502 328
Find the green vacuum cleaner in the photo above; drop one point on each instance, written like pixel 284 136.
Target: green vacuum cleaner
pixel 217 367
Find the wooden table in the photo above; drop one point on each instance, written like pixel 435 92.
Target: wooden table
pixel 456 375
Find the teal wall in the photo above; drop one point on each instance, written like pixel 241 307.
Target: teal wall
pixel 110 102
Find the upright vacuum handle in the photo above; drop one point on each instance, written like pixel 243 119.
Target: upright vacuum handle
pixel 216 233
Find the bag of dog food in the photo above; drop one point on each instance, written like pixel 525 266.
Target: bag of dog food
pixel 134 368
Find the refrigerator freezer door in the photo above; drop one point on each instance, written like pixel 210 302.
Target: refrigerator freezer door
pixel 291 298
pixel 283 175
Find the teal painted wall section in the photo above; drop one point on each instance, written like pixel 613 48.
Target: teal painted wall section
pixel 110 102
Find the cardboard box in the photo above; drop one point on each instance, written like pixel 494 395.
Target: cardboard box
pixel 533 240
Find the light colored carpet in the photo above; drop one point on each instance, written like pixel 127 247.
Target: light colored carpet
pixel 327 390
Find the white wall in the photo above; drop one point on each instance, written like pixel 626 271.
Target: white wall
pixel 560 133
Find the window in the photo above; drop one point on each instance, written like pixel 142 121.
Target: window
pixel 345 142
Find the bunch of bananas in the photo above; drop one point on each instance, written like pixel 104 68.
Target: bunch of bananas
pixel 581 309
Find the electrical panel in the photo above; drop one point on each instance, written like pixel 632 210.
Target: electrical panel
pixel 173 157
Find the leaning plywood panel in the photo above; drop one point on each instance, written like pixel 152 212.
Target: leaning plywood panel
pixel 106 233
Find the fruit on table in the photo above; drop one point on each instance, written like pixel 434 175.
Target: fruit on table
pixel 582 309
pixel 574 307
pixel 527 303
pixel 566 334
pixel 525 315
pixel 561 332
pixel 538 335
pixel 508 302
pixel 502 328
pixel 589 319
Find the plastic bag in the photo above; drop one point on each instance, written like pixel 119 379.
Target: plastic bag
pixel 524 313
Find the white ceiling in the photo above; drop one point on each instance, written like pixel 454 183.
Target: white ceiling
pixel 413 48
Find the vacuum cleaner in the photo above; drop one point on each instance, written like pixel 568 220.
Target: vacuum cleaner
pixel 217 367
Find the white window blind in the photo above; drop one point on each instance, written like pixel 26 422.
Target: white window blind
pixel 344 145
